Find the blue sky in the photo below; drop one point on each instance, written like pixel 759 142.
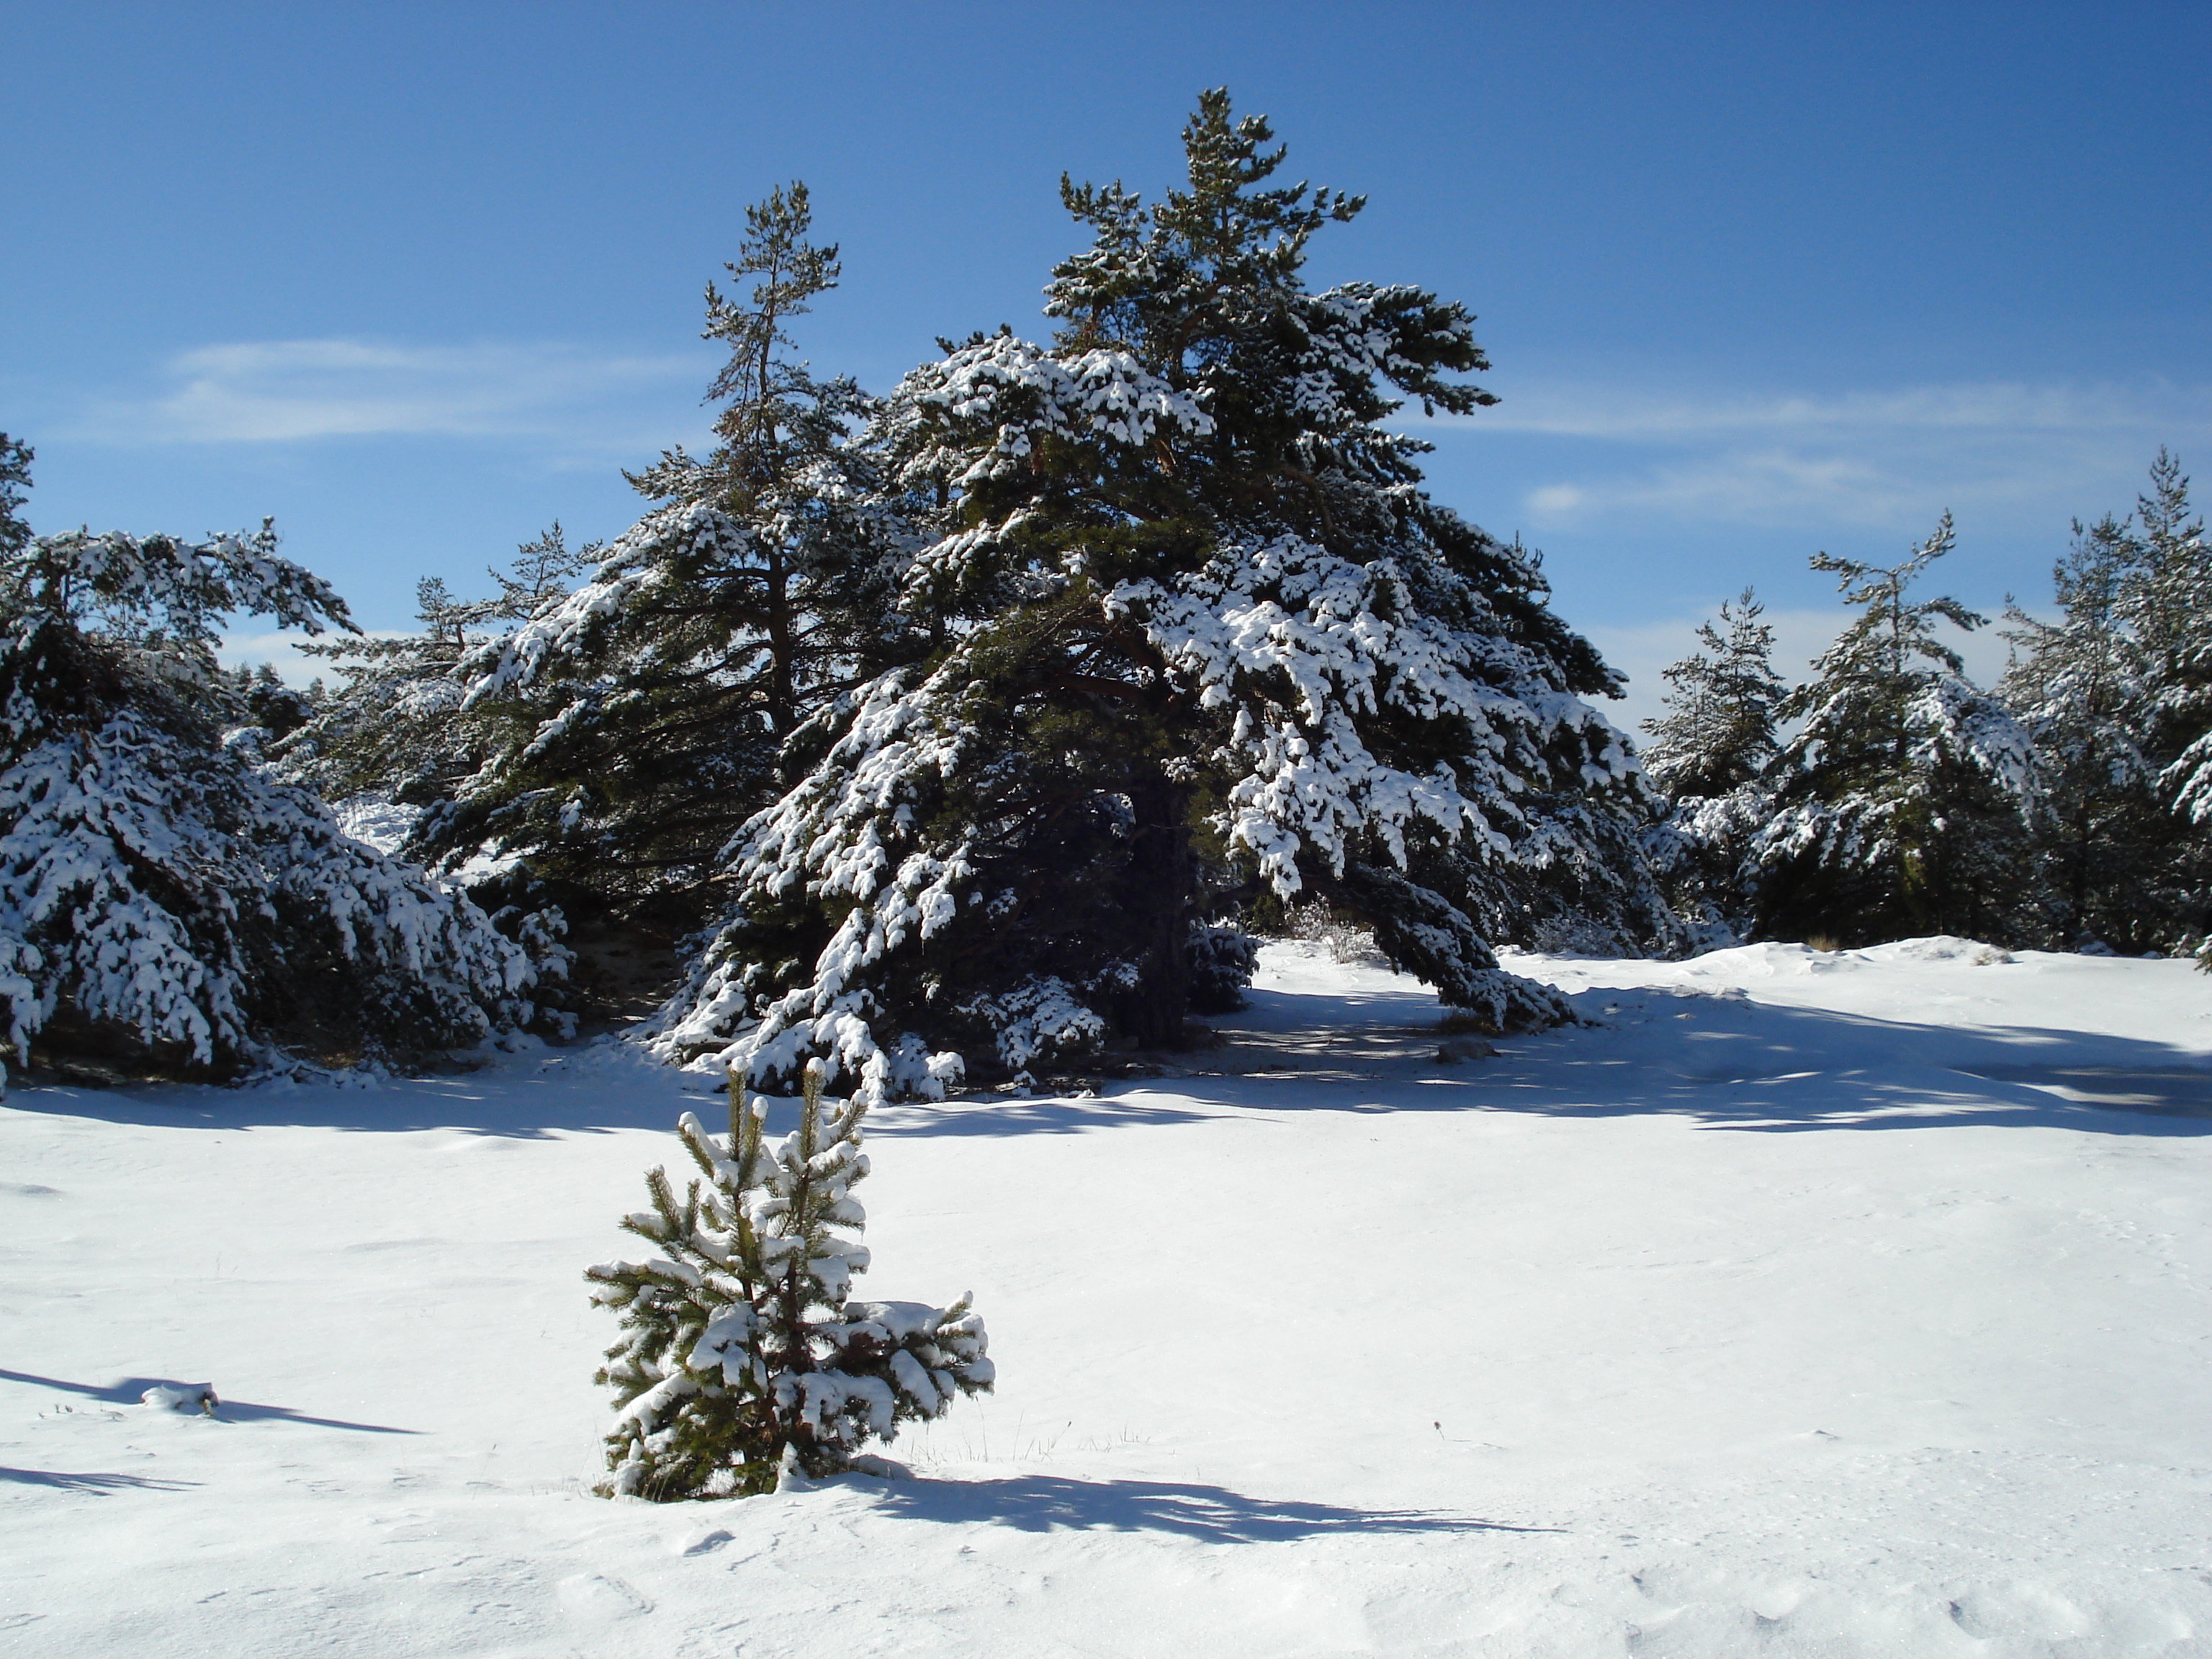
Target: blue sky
pixel 1758 280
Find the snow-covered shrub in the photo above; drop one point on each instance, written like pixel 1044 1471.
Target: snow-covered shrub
pixel 743 1360
pixel 158 882
pixel 1221 964
pixel 1040 1024
pixel 1345 939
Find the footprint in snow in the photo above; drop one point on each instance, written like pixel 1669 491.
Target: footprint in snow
pixel 594 1596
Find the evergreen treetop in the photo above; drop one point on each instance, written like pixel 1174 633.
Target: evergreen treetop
pixel 1717 733
pixel 1856 707
pixel 643 717
pixel 15 459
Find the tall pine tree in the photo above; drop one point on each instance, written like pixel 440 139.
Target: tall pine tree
pixel 2118 694
pixel 1711 752
pixel 2081 685
pixel 2169 607
pixel 646 712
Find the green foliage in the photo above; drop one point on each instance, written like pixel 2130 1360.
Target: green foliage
pixel 2119 693
pixel 395 726
pixel 1901 800
pixel 743 1360
pixel 1717 733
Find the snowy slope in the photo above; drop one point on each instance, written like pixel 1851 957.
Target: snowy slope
pixel 1807 1305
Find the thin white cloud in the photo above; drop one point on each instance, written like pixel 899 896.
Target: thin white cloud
pixel 1590 411
pixel 1742 486
pixel 1891 458
pixel 296 390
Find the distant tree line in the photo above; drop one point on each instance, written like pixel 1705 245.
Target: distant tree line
pixel 2069 807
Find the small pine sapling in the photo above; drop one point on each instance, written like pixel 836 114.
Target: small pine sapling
pixel 742 1363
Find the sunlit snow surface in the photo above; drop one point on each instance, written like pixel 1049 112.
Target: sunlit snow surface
pixel 1809 1304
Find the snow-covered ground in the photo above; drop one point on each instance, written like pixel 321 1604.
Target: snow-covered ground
pixel 1808 1305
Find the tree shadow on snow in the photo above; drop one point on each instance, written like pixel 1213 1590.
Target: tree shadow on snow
pixel 1729 1063
pixel 128 1392
pixel 580 1092
pixel 1135 1106
pixel 554 1101
pixel 98 1484
pixel 1736 1065
pixel 1044 1503
pixel 1726 1061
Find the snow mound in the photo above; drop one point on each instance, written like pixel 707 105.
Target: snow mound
pixel 1769 960
pixel 1773 960
pixel 1939 947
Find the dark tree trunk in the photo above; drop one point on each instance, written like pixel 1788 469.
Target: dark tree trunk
pixel 1156 896
pixel 783 713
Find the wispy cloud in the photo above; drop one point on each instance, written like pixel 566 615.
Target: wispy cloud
pixel 299 391
pixel 1587 411
pixel 1888 458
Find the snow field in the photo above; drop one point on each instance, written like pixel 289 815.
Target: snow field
pixel 1806 1305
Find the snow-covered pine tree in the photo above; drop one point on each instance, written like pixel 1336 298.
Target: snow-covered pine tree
pixel 2168 603
pixel 1900 802
pixel 1717 733
pixel 1710 752
pixel 388 728
pixel 2167 606
pixel 743 1359
pixel 156 882
pixel 645 714
pixel 1198 633
pixel 2082 687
